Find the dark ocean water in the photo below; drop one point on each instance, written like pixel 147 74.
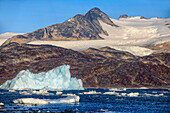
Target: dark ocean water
pixel 148 101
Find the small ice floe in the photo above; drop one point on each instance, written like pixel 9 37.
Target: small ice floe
pixel 11 90
pixel 25 93
pixel 66 100
pixel 102 110
pixel 32 101
pixel 42 92
pixel 110 93
pixel 160 95
pixel 35 101
pixel 117 89
pixel 1 104
pixel 91 92
pixel 153 95
pixel 143 88
pixel 123 94
pixel 39 92
pixel 68 94
pixel 132 94
pixel 59 93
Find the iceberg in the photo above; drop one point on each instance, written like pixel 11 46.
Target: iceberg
pixel 30 101
pixel 33 101
pixel 1 104
pixel 66 100
pixel 57 78
pixel 91 92
pixel 133 94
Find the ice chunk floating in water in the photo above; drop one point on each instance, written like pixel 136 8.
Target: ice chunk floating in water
pixel 30 101
pixel 57 78
pixel 66 100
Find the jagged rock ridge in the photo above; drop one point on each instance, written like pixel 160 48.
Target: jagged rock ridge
pixel 80 27
pixel 126 16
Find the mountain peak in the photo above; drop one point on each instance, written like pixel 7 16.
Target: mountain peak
pixel 80 27
pixel 97 14
pixel 95 9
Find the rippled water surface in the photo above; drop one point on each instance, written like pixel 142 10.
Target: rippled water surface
pixel 118 101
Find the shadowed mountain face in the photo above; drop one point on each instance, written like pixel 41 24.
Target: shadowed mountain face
pixel 104 67
pixel 80 27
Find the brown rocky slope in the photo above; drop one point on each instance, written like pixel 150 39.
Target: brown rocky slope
pixel 80 27
pixel 163 47
pixel 104 67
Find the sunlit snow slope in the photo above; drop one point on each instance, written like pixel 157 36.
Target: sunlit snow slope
pixel 7 35
pixel 138 32
pixel 132 34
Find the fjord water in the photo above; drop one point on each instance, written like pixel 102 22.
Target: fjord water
pixel 146 100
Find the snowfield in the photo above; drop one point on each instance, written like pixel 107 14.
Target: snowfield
pixel 132 35
pixel 2 41
pixel 7 35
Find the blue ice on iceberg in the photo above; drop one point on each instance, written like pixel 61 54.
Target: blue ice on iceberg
pixel 57 78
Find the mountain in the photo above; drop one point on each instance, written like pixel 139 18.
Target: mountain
pixel 97 30
pixel 101 51
pixel 80 27
pixel 132 35
pixel 104 67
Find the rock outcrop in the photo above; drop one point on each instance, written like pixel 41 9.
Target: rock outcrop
pixel 126 16
pixel 123 16
pixel 80 27
pixel 163 47
pixel 104 67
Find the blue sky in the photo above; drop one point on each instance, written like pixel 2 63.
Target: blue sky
pixel 23 16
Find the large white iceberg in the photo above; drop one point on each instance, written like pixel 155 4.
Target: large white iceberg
pixel 57 78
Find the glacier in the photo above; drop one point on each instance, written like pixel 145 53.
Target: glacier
pixel 57 78
pixel 132 35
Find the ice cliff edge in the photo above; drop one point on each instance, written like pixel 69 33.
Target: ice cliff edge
pixel 57 78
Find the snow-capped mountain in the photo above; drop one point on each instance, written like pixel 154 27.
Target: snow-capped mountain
pixel 130 64
pixel 132 35
pixel 96 29
pixel 80 27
